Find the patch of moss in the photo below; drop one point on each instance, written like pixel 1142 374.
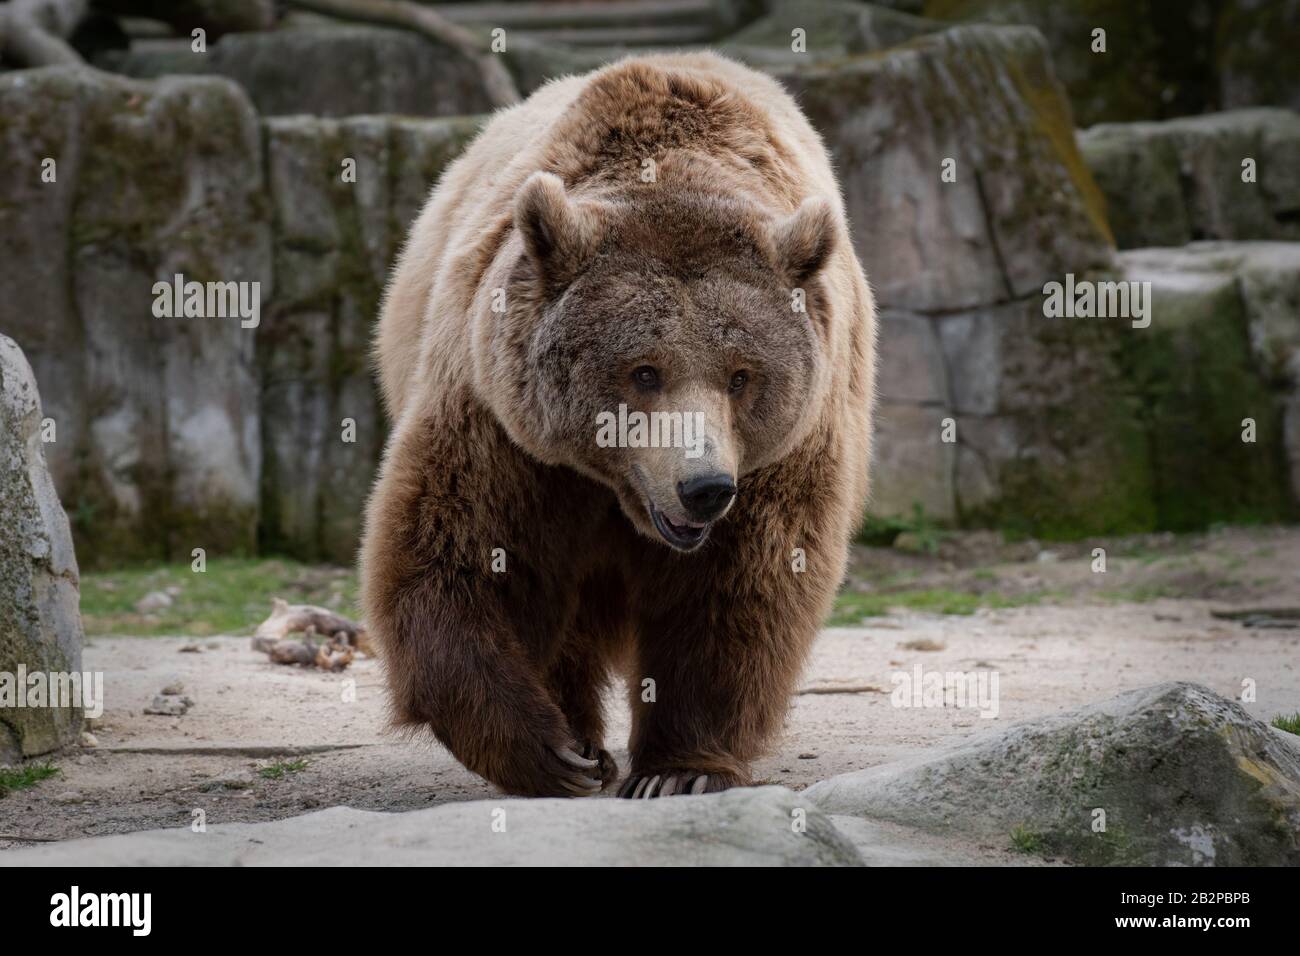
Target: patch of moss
pixel 1053 119
pixel 1197 381
pixel 1088 471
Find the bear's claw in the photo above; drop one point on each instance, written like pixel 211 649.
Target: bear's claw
pixel 572 758
pixel 584 769
pixel 650 786
pixel 581 775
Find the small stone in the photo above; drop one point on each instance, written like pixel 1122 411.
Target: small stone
pixel 88 739
pixel 153 601
pixel 169 705
pixel 69 796
pixel 174 688
pixel 190 649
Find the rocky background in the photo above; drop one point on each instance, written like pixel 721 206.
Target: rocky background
pixel 224 160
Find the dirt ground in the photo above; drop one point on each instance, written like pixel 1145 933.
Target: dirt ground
pixel 265 741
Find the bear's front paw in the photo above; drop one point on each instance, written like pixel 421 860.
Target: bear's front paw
pixel 606 767
pixel 647 786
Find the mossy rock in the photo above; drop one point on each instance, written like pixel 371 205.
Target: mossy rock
pixel 1050 442
pixel 156 449
pixel 1167 775
pixel 1157 61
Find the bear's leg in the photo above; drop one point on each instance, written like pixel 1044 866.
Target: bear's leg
pixel 721 642
pixel 464 644
pixel 580 671
pixel 575 681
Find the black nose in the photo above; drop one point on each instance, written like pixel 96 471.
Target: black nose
pixel 707 497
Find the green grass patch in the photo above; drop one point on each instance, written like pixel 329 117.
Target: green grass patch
pixel 23 777
pixel 1024 840
pixel 1139 594
pixel 282 769
pixel 1288 722
pixel 231 597
pixel 852 606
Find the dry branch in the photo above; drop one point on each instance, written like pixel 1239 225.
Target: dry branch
pixel 34 32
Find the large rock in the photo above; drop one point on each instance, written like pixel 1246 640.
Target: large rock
pixel 1049 442
pixel 1156 61
pixel 1023 208
pixel 158 449
pixel 324 71
pixel 1069 427
pixel 1169 183
pixel 959 267
pixel 1223 346
pixel 769 826
pixel 1181 777
pixel 1160 60
pixel 334 242
pixel 40 625
pixel 1044 437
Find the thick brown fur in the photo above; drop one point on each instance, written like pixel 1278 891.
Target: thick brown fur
pixel 544 272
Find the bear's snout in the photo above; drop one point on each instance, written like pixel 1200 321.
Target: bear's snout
pixel 707 496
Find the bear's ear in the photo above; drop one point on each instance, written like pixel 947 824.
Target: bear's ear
pixel 805 239
pixel 558 233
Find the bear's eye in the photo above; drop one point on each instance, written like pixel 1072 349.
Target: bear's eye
pixel 645 376
pixel 739 380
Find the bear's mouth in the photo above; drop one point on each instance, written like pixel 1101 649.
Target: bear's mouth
pixel 684 536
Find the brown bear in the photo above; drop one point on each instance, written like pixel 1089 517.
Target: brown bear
pixel 661 241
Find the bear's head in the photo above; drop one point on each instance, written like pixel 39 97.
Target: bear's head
pixel 665 343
